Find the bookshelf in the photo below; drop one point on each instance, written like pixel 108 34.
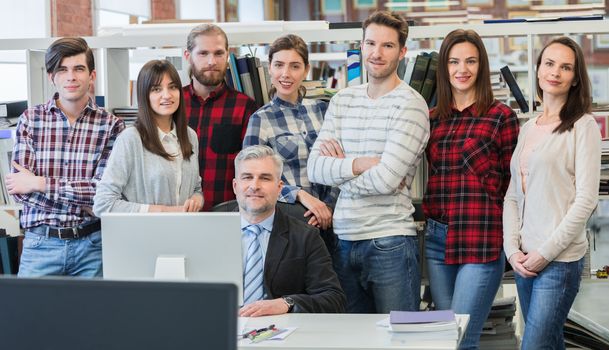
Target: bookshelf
pixel 113 47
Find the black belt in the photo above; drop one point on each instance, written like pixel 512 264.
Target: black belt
pixel 74 232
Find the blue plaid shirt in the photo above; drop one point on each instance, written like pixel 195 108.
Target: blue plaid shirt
pixel 290 130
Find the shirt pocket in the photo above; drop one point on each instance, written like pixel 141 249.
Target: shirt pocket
pixel 482 160
pixel 286 145
pixel 226 138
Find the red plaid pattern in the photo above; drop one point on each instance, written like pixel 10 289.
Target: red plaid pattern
pixel 220 122
pixel 469 172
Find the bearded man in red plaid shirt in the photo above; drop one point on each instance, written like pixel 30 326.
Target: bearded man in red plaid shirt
pixel 216 112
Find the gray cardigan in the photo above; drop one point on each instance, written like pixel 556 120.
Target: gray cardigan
pixel 135 177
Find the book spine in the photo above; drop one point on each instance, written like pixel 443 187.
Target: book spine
pixel 252 64
pixel 429 85
pixel 354 71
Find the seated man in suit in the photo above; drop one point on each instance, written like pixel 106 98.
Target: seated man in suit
pixel 286 266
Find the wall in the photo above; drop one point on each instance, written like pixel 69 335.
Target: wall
pixel 71 18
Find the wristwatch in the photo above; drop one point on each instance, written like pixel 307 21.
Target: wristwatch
pixel 289 302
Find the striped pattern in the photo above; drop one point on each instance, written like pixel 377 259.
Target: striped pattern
pixel 71 157
pixel 253 272
pixel 394 127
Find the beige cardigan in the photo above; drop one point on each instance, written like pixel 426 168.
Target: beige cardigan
pixel 562 192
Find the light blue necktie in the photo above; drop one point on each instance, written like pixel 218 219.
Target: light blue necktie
pixel 252 273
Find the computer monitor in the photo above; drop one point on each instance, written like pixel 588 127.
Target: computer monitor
pixel 73 313
pixel 203 247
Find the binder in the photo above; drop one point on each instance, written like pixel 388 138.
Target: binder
pixel 515 89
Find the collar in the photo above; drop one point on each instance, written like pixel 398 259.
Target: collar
pixel 52 104
pixel 278 101
pixel 217 92
pixel 171 132
pixel 266 224
pixel 471 109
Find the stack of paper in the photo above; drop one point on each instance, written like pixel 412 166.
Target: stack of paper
pixel 423 326
pixel 498 331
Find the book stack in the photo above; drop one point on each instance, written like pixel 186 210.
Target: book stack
pixel 500 91
pixel 602 119
pixel 583 333
pixel 127 114
pixel 248 75
pixel 498 331
pixel 423 327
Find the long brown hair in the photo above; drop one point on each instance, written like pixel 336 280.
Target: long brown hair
pixel 290 42
pixel 579 98
pixel 484 92
pixel 151 75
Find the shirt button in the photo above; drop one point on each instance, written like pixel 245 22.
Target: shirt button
pixel 304 132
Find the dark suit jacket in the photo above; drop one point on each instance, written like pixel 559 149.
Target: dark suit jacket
pixel 298 265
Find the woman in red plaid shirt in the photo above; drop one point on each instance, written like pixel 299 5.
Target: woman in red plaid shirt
pixel 469 151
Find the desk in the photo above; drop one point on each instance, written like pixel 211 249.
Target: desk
pixel 336 331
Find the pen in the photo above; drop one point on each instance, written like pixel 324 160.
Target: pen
pixel 264 335
pixel 253 333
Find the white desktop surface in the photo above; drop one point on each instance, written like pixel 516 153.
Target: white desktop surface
pixel 335 331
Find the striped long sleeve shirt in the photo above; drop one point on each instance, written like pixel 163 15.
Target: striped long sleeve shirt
pixel 394 127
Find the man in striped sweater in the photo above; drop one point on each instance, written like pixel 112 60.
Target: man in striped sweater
pixel 370 144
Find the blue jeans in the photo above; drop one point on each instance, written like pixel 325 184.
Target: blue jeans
pixel 545 301
pixel 379 275
pixel 43 255
pixel 464 288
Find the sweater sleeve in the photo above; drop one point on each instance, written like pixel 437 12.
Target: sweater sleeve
pixel 329 171
pixel 406 140
pixel 109 194
pixel 587 177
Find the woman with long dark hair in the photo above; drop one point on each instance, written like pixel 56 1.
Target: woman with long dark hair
pixel 554 189
pixel 153 166
pixel 469 150
pixel 289 124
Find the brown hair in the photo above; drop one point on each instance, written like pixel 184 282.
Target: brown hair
pixel 151 75
pixel 579 98
pixel 204 29
pixel 67 47
pixel 389 19
pixel 482 86
pixel 290 42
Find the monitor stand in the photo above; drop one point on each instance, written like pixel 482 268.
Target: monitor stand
pixel 170 268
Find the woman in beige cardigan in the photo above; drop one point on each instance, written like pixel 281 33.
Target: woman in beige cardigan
pixel 553 190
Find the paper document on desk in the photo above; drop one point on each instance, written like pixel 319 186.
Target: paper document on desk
pixel 284 333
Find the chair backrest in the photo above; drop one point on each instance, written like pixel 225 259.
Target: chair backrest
pixel 295 210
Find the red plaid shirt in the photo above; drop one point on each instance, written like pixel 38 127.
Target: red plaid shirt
pixel 220 122
pixel 469 172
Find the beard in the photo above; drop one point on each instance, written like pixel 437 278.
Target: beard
pixel 214 79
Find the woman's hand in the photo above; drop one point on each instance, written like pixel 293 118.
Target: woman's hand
pixel 516 261
pixel 319 213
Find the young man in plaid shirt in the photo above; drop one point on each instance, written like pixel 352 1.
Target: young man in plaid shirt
pixel 61 151
pixel 216 112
